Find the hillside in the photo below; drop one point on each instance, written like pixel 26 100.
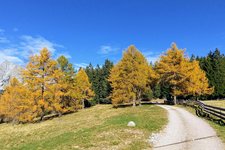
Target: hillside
pixel 99 127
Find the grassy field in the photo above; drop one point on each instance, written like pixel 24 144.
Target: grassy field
pixel 99 127
pixel 219 129
pixel 218 103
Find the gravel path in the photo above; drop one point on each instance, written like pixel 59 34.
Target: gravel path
pixel 186 131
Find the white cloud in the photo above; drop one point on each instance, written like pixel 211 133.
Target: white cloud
pixel 147 53
pixel 152 59
pixel 77 66
pixel 151 56
pixel 64 54
pixel 10 51
pixel 4 55
pixel 107 49
pixel 4 40
pixel 32 45
pixel 19 51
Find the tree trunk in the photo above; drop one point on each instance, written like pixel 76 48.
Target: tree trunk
pixel 175 100
pixel 59 114
pixel 83 103
pixel 42 117
pixel 42 113
pixel 139 98
pixel 134 102
pixel 139 102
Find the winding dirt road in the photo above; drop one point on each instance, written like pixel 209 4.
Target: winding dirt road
pixel 186 131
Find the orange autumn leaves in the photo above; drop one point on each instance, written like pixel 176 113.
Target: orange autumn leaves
pixel 185 77
pixel 45 89
pixel 132 76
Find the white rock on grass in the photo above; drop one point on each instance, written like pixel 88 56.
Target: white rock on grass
pixel 131 124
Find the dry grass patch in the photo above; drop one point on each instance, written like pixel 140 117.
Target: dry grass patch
pixel 217 103
pixel 100 127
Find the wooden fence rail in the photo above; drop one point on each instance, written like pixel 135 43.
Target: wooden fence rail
pixel 213 113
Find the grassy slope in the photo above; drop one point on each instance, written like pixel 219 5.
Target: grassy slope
pixel 100 127
pixel 218 103
pixel 219 129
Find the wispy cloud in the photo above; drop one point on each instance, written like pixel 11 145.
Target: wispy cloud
pixel 107 49
pixel 152 57
pixel 67 55
pixel 77 66
pixel 2 30
pixel 4 40
pixel 19 49
pixel 15 29
pixel 6 55
pixel 33 45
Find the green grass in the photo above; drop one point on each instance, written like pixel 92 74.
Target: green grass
pixel 100 127
pixel 217 103
pixel 219 129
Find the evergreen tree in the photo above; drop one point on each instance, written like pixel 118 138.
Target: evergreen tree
pixel 192 57
pixel 90 72
pixel 213 65
pixel 157 91
pixel 99 78
pixel 108 65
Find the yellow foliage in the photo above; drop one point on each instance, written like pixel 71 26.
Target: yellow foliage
pixel 44 80
pixel 183 76
pixel 198 83
pixel 15 103
pixel 83 87
pixel 130 77
pixel 45 89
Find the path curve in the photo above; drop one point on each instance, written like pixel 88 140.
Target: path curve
pixel 186 131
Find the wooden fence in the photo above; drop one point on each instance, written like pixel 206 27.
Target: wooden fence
pixel 216 114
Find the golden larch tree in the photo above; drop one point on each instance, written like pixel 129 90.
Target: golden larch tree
pixel 15 103
pixel 122 88
pixel 54 93
pixel 130 77
pixel 198 82
pixel 82 87
pixel 183 76
pixel 174 69
pixel 40 76
pixel 68 84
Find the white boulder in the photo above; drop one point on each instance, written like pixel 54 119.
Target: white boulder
pixel 131 124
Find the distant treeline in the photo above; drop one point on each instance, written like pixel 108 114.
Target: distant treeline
pixel 214 66
pixel 98 76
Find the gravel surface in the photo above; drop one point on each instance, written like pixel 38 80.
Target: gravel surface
pixel 185 131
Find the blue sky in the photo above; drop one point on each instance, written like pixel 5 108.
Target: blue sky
pixel 93 30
